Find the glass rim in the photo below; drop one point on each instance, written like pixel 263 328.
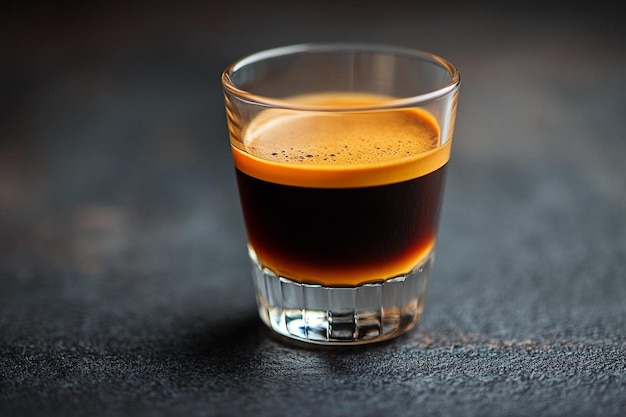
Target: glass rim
pixel 388 103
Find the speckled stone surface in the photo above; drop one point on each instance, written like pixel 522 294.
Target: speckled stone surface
pixel 125 288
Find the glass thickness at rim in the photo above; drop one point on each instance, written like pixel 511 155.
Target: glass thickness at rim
pixel 372 48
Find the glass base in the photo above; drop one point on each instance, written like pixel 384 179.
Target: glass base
pixel 366 313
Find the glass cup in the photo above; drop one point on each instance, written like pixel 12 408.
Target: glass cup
pixel 340 153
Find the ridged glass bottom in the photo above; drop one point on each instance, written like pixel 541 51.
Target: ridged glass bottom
pixel 341 315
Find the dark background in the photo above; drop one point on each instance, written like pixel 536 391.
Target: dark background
pixel 124 282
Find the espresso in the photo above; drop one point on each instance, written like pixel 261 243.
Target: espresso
pixel 341 198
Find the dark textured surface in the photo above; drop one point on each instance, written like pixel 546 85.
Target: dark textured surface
pixel 124 283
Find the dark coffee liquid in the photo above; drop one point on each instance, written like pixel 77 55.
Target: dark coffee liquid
pixel 338 230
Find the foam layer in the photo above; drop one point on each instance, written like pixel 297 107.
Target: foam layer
pixel 340 149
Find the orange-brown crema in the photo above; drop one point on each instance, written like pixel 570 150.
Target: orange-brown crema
pixel 340 149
